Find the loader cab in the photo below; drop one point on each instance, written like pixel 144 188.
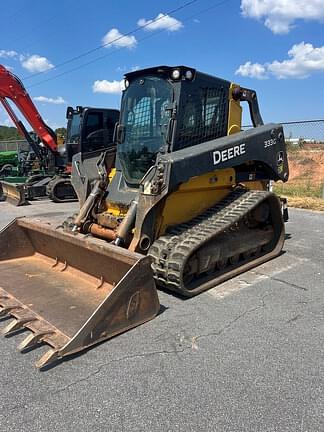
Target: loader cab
pixel 165 109
pixel 89 130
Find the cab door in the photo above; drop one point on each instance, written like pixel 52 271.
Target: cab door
pixel 96 136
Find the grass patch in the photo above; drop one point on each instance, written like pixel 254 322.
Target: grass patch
pixel 298 188
pixel 301 194
pixel 306 203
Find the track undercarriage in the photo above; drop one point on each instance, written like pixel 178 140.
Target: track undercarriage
pixel 240 232
pixel 59 189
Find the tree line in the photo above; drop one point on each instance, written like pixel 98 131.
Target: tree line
pixel 10 133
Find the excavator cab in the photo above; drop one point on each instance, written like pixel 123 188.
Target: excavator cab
pixel 90 131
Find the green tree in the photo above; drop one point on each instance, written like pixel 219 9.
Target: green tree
pixel 61 132
pixel 9 133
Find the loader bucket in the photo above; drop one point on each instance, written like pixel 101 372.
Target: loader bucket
pixel 70 291
pixel 14 193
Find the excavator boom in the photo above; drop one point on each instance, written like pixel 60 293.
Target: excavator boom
pixel 13 89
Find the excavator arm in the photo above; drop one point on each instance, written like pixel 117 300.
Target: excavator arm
pixel 21 128
pixel 13 89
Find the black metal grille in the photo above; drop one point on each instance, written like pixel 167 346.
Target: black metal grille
pixel 139 122
pixel 204 116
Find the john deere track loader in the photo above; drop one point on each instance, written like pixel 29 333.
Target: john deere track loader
pixel 186 206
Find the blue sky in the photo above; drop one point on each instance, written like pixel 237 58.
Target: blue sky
pixel 273 46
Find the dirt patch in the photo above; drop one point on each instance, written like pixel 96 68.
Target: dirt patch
pixel 304 188
pixel 306 164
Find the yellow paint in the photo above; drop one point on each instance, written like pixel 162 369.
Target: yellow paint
pixel 60 140
pixel 111 207
pixel 195 196
pixel 115 209
pixel 111 174
pixel 234 113
pixel 255 185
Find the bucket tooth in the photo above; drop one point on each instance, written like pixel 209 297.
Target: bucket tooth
pixel 5 310
pixel 3 296
pixel 32 340
pixel 49 357
pixel 16 324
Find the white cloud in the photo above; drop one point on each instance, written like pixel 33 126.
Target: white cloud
pixel 36 63
pixel 33 63
pixel 56 101
pixel 304 59
pixel 104 86
pixel 252 70
pixel 280 15
pixel 161 22
pixel 8 54
pixel 117 39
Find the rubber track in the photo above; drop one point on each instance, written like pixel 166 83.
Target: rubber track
pixel 54 184
pixel 171 251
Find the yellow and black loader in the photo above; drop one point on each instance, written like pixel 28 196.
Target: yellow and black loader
pixel 184 204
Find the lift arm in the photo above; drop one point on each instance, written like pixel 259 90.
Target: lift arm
pixel 249 96
pixel 12 88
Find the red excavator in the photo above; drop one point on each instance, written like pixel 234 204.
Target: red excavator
pixel 88 130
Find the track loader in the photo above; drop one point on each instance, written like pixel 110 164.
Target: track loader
pixel 186 205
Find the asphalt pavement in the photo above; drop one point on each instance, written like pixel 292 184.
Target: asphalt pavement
pixel 244 356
